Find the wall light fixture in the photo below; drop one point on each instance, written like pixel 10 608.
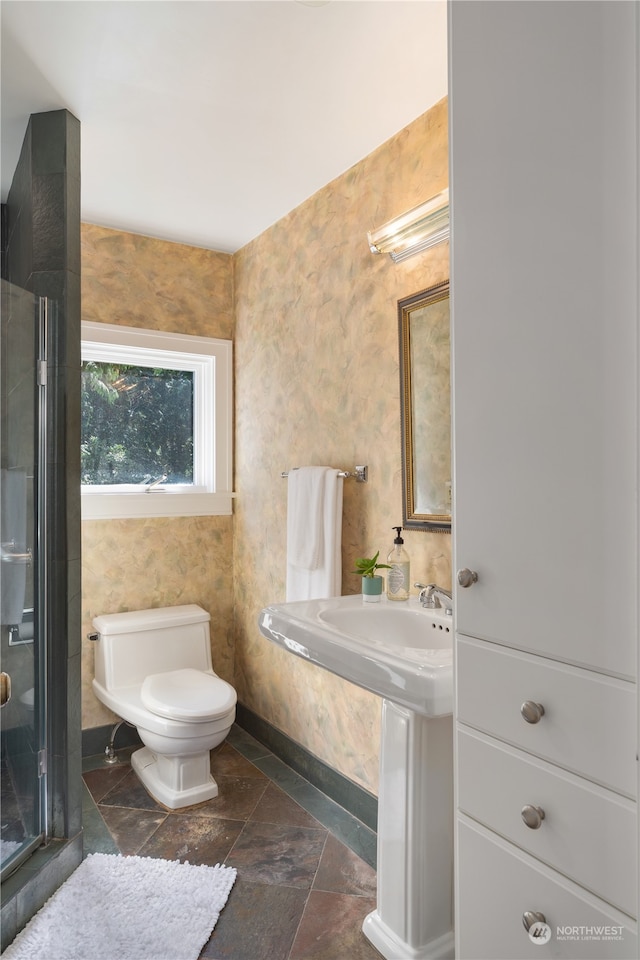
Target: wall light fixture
pixel 414 231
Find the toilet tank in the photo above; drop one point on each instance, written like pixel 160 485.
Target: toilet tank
pixel 132 645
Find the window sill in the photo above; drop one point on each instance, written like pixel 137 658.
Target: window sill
pixel 124 506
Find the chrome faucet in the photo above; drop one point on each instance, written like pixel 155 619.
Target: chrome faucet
pixel 435 597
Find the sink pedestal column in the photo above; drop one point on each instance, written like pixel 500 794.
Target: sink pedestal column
pixel 413 919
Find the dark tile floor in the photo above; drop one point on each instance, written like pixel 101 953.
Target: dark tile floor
pixel 306 868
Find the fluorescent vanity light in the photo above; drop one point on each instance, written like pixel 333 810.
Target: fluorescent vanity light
pixel 415 231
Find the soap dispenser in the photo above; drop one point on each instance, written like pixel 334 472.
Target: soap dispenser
pixel 398 576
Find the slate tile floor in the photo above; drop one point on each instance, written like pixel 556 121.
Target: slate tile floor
pixel 306 876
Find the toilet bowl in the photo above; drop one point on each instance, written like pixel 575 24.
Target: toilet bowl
pixel 153 669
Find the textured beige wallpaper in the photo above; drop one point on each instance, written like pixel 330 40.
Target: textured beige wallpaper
pixel 142 282
pixel 134 564
pixel 317 382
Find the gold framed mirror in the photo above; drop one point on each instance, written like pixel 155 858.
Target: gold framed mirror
pixel 425 398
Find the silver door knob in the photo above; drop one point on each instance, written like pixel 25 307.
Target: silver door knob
pixel 466 577
pixel 532 816
pixel 529 917
pixel 532 711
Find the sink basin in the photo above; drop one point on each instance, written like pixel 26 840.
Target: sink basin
pixel 397 649
pixel 395 626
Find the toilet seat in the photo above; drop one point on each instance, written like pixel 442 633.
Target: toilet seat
pixel 187 695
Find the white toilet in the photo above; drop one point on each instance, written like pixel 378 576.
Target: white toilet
pixel 153 668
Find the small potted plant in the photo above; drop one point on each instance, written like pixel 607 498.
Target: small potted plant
pixel 371 581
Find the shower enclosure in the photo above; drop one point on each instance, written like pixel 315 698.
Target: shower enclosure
pixel 23 531
pixel 40 629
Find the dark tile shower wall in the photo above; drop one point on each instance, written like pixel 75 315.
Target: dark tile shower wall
pixel 41 253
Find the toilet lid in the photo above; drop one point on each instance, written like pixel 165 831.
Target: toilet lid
pixel 187 695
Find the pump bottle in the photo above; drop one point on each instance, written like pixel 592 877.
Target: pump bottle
pixel 398 576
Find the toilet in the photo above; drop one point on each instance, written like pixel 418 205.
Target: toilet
pixel 153 669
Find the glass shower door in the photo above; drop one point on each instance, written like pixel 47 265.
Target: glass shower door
pixel 22 584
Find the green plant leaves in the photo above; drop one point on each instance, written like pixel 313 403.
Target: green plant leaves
pixel 367 566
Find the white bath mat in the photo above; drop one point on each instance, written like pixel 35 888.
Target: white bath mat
pixel 127 908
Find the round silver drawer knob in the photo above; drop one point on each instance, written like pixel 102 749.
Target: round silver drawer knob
pixel 529 917
pixel 466 577
pixel 532 711
pixel 532 816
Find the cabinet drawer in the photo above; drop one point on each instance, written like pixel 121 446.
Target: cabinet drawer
pixel 588 833
pixel 589 721
pixel 497 883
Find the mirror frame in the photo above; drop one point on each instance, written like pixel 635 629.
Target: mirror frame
pixel 436 523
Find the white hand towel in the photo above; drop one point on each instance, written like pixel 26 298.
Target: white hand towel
pixel 303 518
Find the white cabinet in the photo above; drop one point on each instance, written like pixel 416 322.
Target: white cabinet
pixel 572 825
pixel 544 296
pixel 588 725
pixel 499 884
pixel 544 318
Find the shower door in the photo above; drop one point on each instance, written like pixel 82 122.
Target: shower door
pixel 22 582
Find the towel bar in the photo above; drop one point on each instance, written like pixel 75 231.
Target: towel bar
pixel 360 473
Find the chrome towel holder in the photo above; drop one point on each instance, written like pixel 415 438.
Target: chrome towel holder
pixel 361 473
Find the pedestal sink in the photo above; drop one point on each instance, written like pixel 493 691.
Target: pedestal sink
pixel 402 652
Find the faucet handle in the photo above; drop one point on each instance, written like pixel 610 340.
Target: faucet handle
pixel 427 597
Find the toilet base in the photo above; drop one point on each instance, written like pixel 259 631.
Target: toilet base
pixel 175 781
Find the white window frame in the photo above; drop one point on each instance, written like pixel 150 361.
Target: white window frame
pixel 211 362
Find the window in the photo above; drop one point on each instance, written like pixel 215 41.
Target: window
pixel 137 425
pixel 156 423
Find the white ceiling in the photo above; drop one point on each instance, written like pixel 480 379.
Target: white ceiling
pixel 205 122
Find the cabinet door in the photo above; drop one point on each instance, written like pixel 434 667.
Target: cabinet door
pixel 544 314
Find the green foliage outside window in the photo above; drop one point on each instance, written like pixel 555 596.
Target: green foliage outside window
pixel 137 424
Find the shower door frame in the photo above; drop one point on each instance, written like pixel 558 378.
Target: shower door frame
pixel 42 534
